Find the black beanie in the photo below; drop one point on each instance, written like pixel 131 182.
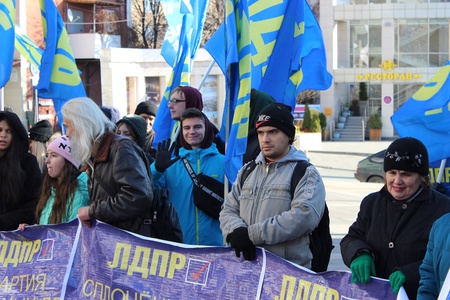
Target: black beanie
pixel 146 107
pixel 138 125
pixel 407 154
pixel 41 131
pixel 277 115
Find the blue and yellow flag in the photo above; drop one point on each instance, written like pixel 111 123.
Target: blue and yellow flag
pixel 7 23
pixel 426 115
pixel 28 48
pixel 59 79
pixel 185 19
pixel 273 46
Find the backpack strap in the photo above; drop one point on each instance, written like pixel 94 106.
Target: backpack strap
pixel 298 173
pixel 248 168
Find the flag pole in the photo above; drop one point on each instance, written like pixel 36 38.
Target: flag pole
pixel 441 170
pixel 227 128
pixel 205 75
pixel 2 106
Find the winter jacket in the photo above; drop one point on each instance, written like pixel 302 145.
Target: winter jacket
pixel 11 215
pixel 79 199
pixel 126 200
pixel 436 264
pixel 264 204
pixel 198 228
pixel 395 233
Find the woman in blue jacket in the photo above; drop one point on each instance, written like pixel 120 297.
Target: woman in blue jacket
pixel 436 264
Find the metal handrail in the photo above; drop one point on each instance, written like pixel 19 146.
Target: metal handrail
pixel 331 129
pixel 363 130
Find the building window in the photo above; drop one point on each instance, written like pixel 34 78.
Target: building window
pixel 209 95
pixel 402 93
pixel 152 89
pixel 438 44
pixel 75 19
pixel 421 42
pixel 365 44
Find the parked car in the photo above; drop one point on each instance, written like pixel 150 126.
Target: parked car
pixel 370 169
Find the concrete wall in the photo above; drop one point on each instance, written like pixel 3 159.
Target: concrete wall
pixel 119 65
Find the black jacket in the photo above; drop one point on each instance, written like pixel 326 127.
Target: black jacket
pixel 11 215
pixel 122 167
pixel 395 232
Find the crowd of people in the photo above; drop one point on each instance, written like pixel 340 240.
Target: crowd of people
pixel 105 167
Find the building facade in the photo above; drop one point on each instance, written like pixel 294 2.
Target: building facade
pixel 393 46
pixel 112 75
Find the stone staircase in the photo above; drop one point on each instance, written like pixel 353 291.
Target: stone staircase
pixel 352 130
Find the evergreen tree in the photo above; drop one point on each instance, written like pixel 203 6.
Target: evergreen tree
pixel 306 118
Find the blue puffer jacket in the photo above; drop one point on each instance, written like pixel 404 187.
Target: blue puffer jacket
pixel 198 228
pixel 436 264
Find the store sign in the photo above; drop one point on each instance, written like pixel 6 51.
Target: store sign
pixel 387 66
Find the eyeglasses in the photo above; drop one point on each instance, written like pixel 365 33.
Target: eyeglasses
pixel 174 101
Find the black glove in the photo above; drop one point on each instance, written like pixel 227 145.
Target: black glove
pixel 241 242
pixel 163 158
pixel 249 253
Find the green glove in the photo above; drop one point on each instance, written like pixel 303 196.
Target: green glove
pixel 362 267
pixel 397 279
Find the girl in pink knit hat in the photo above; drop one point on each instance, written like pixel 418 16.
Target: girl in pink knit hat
pixel 64 189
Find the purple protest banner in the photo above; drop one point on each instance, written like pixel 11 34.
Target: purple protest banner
pixel 114 264
pixel 72 261
pixel 283 280
pixel 34 263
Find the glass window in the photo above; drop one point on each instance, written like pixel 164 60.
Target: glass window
pixel 421 42
pixel 152 89
pixel 365 42
pixel 374 60
pixel 413 38
pixel 359 44
pixel 438 38
pixel 75 19
pixel 402 93
pixel 209 95
pixel 438 60
pixel 374 102
pixel 375 38
pixel 412 60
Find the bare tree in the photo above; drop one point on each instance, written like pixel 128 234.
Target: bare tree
pixel 214 18
pixel 148 24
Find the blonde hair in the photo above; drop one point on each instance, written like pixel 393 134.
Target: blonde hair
pixel 39 150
